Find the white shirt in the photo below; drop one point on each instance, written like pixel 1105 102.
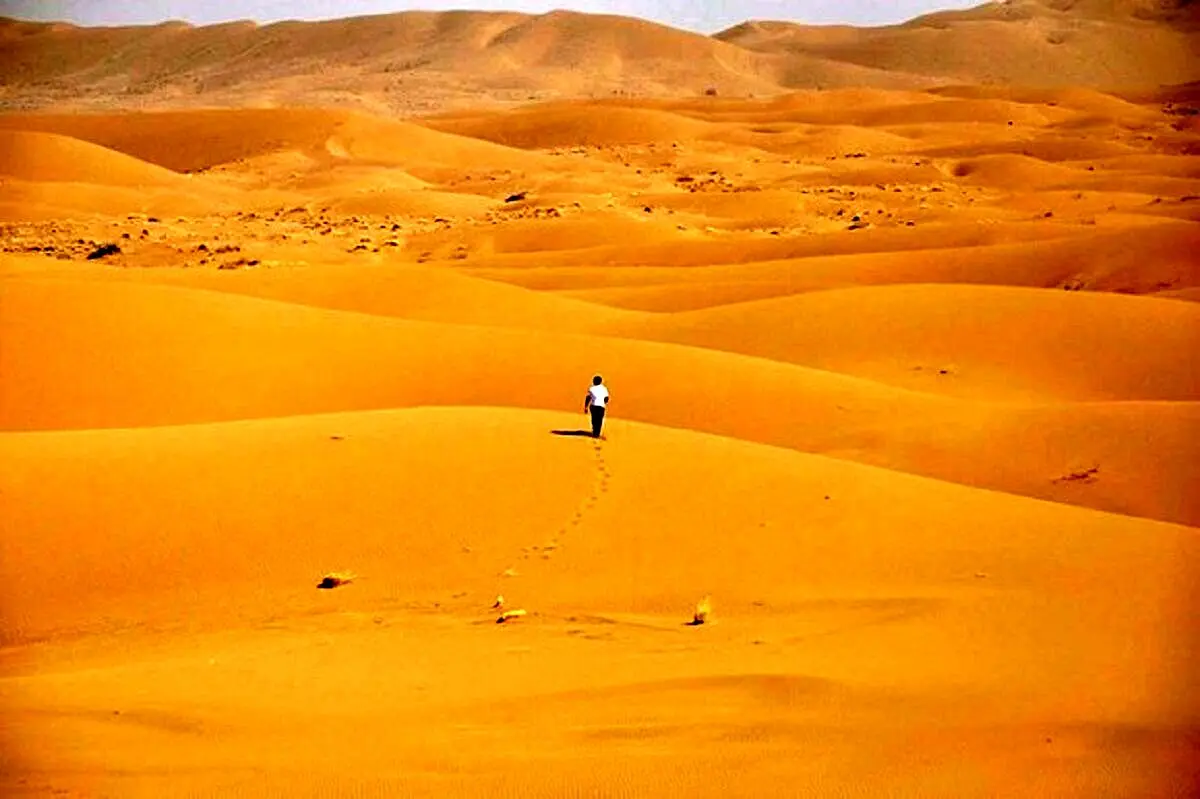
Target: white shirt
pixel 599 395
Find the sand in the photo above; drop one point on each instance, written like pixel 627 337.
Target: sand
pixel 907 390
pixel 416 63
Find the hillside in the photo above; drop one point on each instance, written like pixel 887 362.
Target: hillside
pixel 397 63
pixel 1109 43
pixel 416 62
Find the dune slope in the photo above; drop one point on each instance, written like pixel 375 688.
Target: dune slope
pixel 960 340
pixel 430 525
pixel 49 157
pixel 292 361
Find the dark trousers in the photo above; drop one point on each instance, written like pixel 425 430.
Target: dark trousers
pixel 597 420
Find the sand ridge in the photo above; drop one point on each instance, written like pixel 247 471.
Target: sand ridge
pixel 903 379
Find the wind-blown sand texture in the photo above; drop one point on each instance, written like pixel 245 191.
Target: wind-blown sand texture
pixel 904 380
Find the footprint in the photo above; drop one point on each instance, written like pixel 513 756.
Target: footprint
pixel 599 487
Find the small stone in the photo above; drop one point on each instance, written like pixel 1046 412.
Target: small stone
pixel 509 615
pixel 703 611
pixel 104 251
pixel 336 579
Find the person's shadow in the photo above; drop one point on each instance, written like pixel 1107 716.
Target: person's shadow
pixel 573 433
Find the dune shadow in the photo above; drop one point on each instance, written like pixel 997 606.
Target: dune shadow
pixel 572 433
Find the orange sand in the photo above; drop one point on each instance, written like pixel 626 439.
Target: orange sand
pixel 938 472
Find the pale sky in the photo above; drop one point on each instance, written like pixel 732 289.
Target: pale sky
pixel 704 16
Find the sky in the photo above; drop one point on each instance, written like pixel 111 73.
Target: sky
pixel 704 16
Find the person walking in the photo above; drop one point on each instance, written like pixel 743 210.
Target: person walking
pixel 596 403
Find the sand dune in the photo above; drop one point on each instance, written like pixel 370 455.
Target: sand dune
pixel 903 389
pixel 1094 259
pixel 198 140
pixel 49 157
pixel 262 646
pixel 418 61
pixel 366 361
pixel 562 125
pixel 1074 343
pixel 192 141
pixel 1037 43
pixel 273 375
pixel 46 202
pixel 649 252
pixel 48 176
pixel 415 292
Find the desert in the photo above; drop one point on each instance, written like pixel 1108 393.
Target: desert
pixel 900 325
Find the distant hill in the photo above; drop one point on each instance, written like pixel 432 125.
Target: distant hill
pixel 1102 43
pixel 419 62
